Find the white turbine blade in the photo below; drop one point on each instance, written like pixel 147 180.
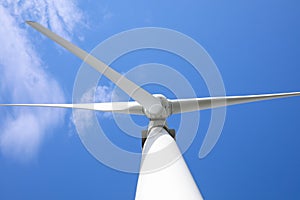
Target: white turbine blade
pixel 149 102
pixel 194 104
pixel 117 107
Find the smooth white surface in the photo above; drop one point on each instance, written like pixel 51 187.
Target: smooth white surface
pixel 177 105
pixel 117 107
pixel 164 173
pixel 194 104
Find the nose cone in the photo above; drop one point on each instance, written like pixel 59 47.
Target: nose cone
pixel 156 110
pixel 159 111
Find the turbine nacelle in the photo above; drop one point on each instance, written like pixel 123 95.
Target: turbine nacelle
pixel 159 111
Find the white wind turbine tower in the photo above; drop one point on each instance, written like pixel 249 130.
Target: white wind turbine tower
pixel 173 181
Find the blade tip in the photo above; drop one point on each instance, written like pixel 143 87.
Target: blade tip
pixel 29 22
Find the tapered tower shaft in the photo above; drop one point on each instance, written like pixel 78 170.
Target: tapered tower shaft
pixel 164 173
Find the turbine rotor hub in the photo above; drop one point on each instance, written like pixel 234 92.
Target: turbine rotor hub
pixel 159 111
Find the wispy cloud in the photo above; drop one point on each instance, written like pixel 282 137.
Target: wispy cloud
pixel 82 118
pixel 107 15
pixel 62 16
pixel 23 78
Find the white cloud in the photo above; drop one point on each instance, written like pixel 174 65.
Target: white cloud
pixel 82 118
pixel 98 94
pixel 23 78
pixel 107 15
pixel 61 16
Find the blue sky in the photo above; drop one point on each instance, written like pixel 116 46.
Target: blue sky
pixel 254 44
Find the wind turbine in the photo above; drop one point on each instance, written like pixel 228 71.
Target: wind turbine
pixel 158 181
